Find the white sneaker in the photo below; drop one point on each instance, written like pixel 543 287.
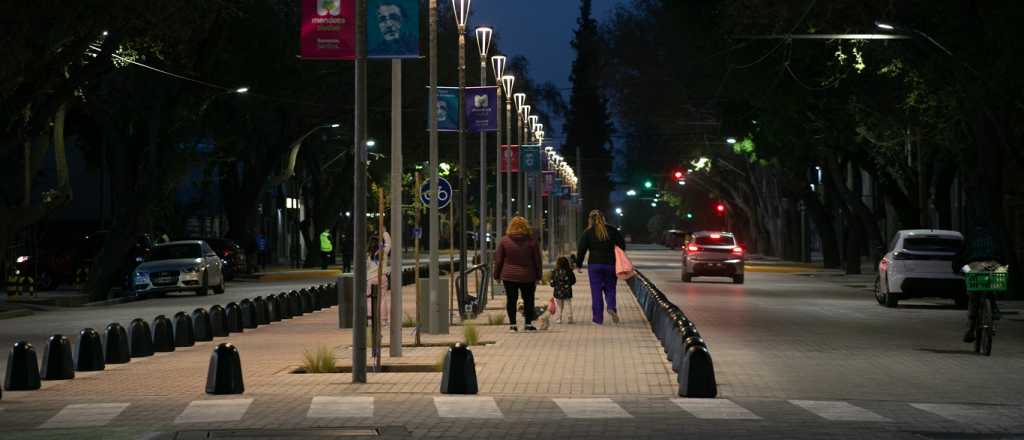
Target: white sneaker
pixel 559 320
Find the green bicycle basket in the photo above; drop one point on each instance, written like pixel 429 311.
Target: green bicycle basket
pixel 985 281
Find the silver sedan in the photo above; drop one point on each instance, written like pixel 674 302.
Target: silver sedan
pixel 180 266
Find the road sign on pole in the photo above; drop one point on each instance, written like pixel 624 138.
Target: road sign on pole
pixel 444 193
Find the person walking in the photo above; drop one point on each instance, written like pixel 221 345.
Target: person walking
pixel 600 241
pixel 326 248
pixel 518 265
pixel 562 280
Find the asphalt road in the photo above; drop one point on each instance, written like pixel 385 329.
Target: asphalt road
pixel 823 336
pixel 37 328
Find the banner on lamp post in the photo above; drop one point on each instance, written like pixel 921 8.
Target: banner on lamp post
pixel 393 28
pixel 510 158
pixel 549 182
pixel 328 30
pixel 529 158
pixel 481 108
pixel 447 109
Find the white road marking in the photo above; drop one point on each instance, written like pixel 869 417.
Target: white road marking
pixel 329 407
pixel 599 408
pixel 467 407
pixel 839 411
pixel 200 411
pixel 715 409
pixel 974 414
pixel 85 415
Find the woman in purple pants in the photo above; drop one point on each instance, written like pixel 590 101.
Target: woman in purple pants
pixel 600 241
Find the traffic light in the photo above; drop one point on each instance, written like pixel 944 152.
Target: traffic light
pixel 678 175
pixel 720 208
pixel 648 184
pixel 689 216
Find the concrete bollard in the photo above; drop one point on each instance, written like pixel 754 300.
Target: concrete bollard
pixel 89 351
pixel 22 368
pixel 234 318
pixel 163 335
pixel 262 317
pixel 225 373
pixel 697 374
pixel 57 362
pixel 183 336
pixel 284 304
pixel 306 301
pixel 141 338
pixel 116 349
pixel 459 375
pixel 201 330
pixel 218 322
pixel 248 313
pixel 273 309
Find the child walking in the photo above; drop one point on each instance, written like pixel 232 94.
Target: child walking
pixel 562 280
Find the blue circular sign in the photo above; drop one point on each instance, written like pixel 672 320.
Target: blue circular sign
pixel 444 192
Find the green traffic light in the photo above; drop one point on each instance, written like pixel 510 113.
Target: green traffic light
pixel 689 215
pixel 648 184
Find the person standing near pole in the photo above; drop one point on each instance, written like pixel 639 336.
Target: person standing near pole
pixel 517 263
pixel 600 241
pixel 326 248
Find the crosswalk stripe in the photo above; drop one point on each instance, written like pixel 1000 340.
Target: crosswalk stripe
pixel 838 411
pixel 467 407
pixel 85 415
pixel 974 414
pixel 598 408
pixel 715 409
pixel 329 407
pixel 200 411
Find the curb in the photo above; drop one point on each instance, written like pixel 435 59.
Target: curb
pixel 15 313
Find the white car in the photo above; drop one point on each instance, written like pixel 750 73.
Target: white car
pixel 920 263
pixel 713 254
pixel 180 266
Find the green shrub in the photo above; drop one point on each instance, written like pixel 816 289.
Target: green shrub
pixel 498 319
pixel 408 322
pixel 470 334
pixel 439 364
pixel 321 360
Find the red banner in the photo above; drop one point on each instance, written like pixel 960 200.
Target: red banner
pixel 328 30
pixel 549 182
pixel 510 158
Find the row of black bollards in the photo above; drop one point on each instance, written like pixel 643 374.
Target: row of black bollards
pixel 683 345
pixel 142 339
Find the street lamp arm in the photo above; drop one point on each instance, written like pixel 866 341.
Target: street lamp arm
pixel 293 155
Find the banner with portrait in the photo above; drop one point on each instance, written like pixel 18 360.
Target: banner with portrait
pixel 327 30
pixel 481 109
pixel 393 28
pixel 529 158
pixel 447 109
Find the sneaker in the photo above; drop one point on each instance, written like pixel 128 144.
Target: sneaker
pixel 559 320
pixel 513 329
pixel 530 328
pixel 615 316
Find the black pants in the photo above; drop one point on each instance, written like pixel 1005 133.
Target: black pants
pixel 512 290
pixel 325 258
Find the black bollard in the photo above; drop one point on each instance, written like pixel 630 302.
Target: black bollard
pixel 225 373
pixel 163 335
pixel 57 363
pixel 183 336
pixel 141 338
pixel 248 313
pixel 22 368
pixel 697 374
pixel 273 309
pixel 314 299
pixel 116 350
pixel 234 318
pixel 284 304
pixel 459 371
pixel 218 322
pixel 295 303
pixel 306 301
pixel 201 331
pixel 89 351
pixel 262 317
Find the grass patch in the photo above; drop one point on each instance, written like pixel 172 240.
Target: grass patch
pixel 408 322
pixel 498 319
pixel 470 334
pixel 321 360
pixel 439 364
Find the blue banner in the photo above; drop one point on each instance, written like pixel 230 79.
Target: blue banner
pixel 529 158
pixel 393 29
pixel 447 109
pixel 481 109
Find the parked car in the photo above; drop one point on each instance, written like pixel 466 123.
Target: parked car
pixel 713 254
pixel 180 266
pixel 231 254
pixel 68 259
pixel 920 263
pixel 673 238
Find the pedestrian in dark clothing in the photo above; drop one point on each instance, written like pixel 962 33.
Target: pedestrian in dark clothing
pixel 562 280
pixel 518 265
pixel 600 241
pixel 346 253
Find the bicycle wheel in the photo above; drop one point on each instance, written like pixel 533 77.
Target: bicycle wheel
pixel 987 327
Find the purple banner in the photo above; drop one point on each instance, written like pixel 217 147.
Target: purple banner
pixel 481 109
pixel 328 30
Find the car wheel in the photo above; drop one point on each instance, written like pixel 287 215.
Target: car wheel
pixel 878 291
pixel 891 299
pixel 204 288
pixel 219 289
pixel 737 279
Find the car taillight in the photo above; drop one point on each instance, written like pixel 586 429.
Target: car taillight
pixel 737 250
pixel 900 256
pixel 227 253
pixel 692 248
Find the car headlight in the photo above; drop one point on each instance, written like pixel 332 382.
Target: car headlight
pixel 192 269
pixel 141 276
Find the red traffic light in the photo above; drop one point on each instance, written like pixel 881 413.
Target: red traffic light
pixel 720 208
pixel 678 175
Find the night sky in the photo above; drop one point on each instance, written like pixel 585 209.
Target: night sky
pixel 540 30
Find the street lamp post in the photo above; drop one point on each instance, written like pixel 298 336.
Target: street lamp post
pixel 525 139
pixel 359 199
pixel 461 10
pixel 483 42
pixel 436 304
pixel 520 99
pixel 507 82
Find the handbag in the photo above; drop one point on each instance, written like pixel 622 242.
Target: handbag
pixel 552 308
pixel 623 267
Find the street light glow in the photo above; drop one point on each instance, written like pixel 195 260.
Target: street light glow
pixel 520 99
pixel 885 26
pixel 335 125
pixel 631 193
pixel 242 90
pixel 461 10
pixel 507 81
pixel 483 40
pixel 371 143
pixel 731 140
pixel 498 66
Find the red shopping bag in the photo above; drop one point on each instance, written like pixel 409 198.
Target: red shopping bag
pixel 623 267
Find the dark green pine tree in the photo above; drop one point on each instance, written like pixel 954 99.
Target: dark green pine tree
pixel 588 126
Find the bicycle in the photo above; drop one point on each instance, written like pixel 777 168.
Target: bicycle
pixel 984 286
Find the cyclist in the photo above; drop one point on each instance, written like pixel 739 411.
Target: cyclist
pixel 981 255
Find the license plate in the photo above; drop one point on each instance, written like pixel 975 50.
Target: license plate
pixel 164 280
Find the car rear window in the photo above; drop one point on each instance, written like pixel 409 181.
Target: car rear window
pixel 719 240
pixel 176 251
pixel 932 244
